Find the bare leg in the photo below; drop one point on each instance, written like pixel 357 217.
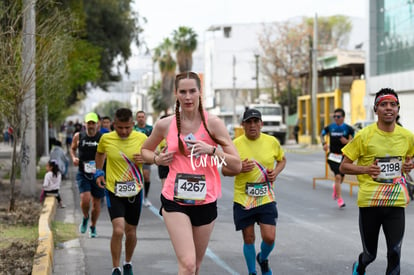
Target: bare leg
pixel 96 210
pixel 116 240
pixel 85 200
pixel 201 238
pixel 268 232
pixel 338 181
pixel 181 234
pixel 130 241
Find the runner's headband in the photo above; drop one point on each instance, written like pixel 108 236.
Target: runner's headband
pixel 381 98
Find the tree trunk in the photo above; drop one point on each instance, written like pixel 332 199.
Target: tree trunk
pixel 12 202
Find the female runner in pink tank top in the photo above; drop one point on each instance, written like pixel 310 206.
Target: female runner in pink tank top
pixel 190 192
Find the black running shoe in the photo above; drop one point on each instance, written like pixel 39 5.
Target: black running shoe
pixel 264 265
pixel 128 269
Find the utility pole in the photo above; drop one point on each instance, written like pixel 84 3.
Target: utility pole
pixel 234 91
pixel 314 77
pixel 28 147
pixel 257 76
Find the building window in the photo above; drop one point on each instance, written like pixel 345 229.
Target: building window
pixel 395 37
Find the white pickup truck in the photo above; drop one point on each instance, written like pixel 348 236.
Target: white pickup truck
pixel 272 117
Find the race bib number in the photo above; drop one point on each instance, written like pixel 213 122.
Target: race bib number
pixel 391 169
pixel 335 157
pixel 190 187
pixel 90 167
pixel 256 189
pixel 126 188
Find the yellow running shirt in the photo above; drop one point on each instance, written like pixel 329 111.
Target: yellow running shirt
pixel 120 166
pixel 264 151
pixel 390 149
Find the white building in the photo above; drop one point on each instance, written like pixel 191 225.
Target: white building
pixel 390 58
pixel 231 54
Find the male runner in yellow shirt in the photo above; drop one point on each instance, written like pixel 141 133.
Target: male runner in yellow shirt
pixel 254 199
pixel 383 152
pixel 123 186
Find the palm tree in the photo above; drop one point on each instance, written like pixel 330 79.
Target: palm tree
pixel 185 43
pixel 157 100
pixel 167 65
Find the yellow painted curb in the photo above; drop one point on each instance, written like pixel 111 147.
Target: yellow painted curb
pixel 43 259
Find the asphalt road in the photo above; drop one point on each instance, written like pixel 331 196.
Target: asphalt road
pixel 313 235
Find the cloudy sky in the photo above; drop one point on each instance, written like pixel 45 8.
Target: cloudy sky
pixel 164 16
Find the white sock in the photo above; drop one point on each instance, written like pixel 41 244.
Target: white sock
pixel 127 263
pixel 119 268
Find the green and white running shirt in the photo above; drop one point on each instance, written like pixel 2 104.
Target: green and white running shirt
pixel 390 149
pixel 264 151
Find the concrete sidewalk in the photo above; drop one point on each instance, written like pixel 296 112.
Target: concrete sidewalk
pixel 69 257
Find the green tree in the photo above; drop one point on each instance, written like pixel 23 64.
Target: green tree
pixel 285 55
pixel 51 45
pixel 112 26
pixel 109 108
pixel 155 94
pixel 167 65
pixel 185 43
pixel 333 31
pixel 286 48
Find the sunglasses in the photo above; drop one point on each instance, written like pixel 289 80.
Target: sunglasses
pixel 337 116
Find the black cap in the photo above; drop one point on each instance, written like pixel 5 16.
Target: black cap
pixel 251 113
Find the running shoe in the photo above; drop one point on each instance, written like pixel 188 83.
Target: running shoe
pixel 128 269
pixel 147 203
pixel 341 203
pixel 334 192
pixel 92 232
pixel 84 225
pixel 355 268
pixel 117 271
pixel 264 265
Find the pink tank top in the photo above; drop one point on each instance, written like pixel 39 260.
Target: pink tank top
pixel 191 180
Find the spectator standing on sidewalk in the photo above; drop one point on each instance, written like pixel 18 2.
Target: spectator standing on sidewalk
pixel 123 185
pixel 10 132
pixel 52 135
pixel 383 152
pixel 70 130
pixel 192 136
pixel 143 127
pixel 6 136
pixel 340 134
pixel 254 196
pixel 58 154
pixel 86 142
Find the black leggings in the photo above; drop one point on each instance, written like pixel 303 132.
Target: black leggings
pixel 392 220
pixel 56 193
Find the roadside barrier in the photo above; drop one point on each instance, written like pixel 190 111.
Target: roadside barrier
pixel 43 259
pixel 349 179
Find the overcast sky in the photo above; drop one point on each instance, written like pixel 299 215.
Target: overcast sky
pixel 164 16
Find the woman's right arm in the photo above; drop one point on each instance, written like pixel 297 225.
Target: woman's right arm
pixel 151 143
